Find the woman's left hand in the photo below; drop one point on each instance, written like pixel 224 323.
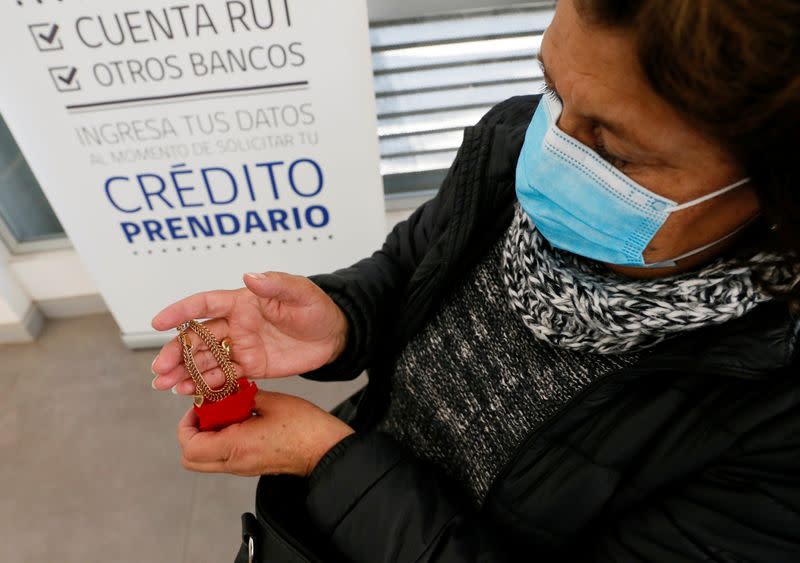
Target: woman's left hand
pixel 289 435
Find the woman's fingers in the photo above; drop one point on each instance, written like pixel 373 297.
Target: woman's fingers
pixel 202 451
pixel 204 361
pixel 169 380
pixel 214 378
pixel 171 355
pixel 188 427
pixel 199 306
pixel 286 288
pixel 185 387
pixel 210 371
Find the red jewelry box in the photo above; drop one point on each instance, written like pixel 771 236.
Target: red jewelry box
pixel 234 408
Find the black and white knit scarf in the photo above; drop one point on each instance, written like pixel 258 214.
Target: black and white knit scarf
pixel 574 303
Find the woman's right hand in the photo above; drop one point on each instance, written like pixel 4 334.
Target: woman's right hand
pixel 279 325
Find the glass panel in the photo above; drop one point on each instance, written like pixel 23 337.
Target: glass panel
pixel 436 75
pixel 380 10
pixel 466 52
pixel 459 28
pixel 23 207
pixel 465 74
pixel 463 97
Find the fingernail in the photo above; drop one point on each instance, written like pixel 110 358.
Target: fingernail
pixel 153 383
pixel 256 276
pixel 153 366
pixel 174 390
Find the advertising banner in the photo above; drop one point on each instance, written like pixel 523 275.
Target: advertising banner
pixel 182 144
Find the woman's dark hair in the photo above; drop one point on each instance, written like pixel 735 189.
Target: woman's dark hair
pixel 732 68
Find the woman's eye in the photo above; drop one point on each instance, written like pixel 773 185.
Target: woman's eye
pixel 549 91
pixel 615 161
pixel 600 146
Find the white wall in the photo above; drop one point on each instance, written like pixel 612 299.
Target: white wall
pixel 52 275
pixel 14 301
pixel 20 320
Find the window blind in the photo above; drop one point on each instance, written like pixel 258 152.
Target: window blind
pixel 435 76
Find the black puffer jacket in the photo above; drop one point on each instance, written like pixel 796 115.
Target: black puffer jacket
pixel 692 454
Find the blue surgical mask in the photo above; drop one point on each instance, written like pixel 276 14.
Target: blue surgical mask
pixel 584 205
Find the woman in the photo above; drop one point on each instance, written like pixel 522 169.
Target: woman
pixel 582 349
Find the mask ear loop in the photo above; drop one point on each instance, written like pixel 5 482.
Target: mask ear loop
pixel 706 197
pixel 674 262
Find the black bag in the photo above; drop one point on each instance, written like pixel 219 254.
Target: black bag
pixel 281 529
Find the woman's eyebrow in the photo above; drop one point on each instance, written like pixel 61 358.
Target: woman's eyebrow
pixel 615 128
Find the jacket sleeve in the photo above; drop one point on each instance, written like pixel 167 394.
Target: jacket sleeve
pixel 376 503
pixel 743 508
pixel 371 291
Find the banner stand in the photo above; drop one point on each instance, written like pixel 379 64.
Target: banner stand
pixel 182 145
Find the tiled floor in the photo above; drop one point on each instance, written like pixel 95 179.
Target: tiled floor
pixel 89 464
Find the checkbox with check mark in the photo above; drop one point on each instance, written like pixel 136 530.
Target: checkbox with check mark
pixel 45 35
pixel 65 78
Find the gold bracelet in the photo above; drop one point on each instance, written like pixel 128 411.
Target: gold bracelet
pixel 222 354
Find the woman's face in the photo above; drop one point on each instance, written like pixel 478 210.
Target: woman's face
pixel 609 106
